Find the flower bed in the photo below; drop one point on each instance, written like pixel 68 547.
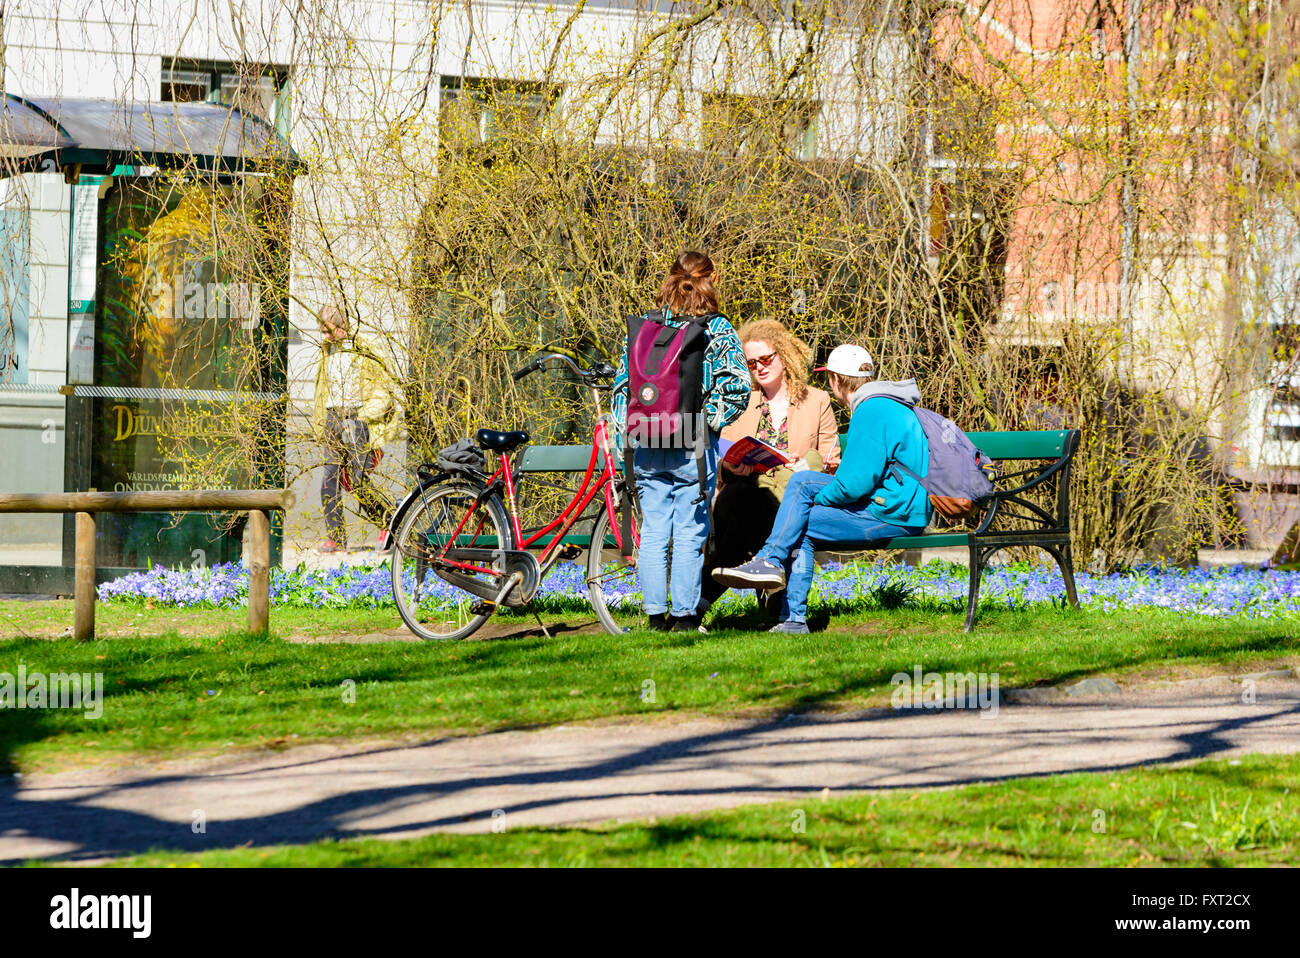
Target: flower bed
pixel 1234 591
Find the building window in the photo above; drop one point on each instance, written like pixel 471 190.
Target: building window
pixel 258 89
pixel 733 125
pixel 473 111
pixel 1271 284
pixel 1282 418
pixel 15 304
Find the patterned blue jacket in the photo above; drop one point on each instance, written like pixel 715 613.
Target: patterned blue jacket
pixel 726 378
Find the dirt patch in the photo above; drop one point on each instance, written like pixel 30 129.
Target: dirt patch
pixel 521 629
pixel 491 629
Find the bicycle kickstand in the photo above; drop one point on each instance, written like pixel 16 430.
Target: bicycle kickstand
pixel 533 609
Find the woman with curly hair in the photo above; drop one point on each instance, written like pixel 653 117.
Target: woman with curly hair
pixel 784 412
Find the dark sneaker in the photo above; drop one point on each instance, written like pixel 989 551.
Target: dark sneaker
pixel 790 626
pixel 687 623
pixel 754 574
pixel 659 622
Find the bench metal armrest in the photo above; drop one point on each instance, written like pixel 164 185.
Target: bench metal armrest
pixel 1015 495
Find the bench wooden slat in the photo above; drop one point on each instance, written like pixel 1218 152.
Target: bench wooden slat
pixel 1038 444
pixel 937 540
pixel 1035 444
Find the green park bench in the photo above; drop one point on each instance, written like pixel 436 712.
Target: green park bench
pixel 1028 461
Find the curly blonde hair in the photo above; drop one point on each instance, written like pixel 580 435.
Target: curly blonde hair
pixel 796 355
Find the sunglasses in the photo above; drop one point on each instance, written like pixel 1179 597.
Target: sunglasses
pixel 760 361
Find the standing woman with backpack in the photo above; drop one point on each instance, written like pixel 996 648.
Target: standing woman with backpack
pixel 681 379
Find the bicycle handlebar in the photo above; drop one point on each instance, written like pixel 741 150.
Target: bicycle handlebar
pixel 601 371
pixel 525 369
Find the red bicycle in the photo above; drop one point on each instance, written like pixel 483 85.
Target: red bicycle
pixel 461 553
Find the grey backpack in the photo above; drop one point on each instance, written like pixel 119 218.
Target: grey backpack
pixel 463 458
pixel 960 480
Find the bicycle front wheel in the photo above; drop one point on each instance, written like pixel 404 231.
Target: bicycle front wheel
pixel 609 577
pixel 447 606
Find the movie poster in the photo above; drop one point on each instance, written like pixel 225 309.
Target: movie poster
pixel 181 337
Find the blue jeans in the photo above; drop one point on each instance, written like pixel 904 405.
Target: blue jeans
pixel 668 483
pixel 800 523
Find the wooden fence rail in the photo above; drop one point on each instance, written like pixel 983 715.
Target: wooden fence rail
pixel 257 503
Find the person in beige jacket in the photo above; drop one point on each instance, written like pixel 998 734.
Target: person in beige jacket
pixel 784 411
pixel 354 415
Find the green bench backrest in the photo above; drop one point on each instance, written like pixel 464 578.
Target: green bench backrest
pixel 556 459
pixel 1038 444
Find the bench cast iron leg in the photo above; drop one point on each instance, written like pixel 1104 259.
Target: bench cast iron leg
pixel 976 570
pixel 1066 563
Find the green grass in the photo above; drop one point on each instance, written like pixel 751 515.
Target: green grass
pixel 1211 813
pixel 179 681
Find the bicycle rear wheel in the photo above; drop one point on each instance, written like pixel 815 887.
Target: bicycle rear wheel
pixel 431 606
pixel 609 578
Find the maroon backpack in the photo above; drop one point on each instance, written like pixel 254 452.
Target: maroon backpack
pixel 665 370
pixel 665 394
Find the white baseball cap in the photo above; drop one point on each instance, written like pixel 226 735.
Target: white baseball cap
pixel 848 360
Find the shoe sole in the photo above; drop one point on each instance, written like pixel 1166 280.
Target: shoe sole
pixel 737 579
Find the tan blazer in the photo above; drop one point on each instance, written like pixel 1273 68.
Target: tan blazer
pixel 811 426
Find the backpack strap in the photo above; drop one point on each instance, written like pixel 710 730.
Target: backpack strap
pixel 630 495
pixel 701 451
pixel 701 443
pixel 894 465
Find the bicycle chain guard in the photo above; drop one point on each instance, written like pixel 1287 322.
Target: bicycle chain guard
pixel 517 560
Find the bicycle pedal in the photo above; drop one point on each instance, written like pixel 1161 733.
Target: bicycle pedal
pixel 482 608
pixel 568 552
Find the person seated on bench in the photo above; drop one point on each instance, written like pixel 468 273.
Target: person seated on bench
pixel 866 501
pixel 785 412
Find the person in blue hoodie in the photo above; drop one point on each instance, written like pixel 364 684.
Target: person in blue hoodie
pixel 865 501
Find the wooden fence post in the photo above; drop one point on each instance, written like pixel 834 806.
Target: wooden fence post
pixel 84 591
pixel 259 572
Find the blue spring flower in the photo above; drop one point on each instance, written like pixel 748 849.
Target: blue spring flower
pixel 1235 591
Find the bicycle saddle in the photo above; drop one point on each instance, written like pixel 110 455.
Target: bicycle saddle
pixel 500 441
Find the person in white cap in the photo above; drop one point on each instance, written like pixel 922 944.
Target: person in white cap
pixel 866 501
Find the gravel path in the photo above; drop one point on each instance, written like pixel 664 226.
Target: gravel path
pixel 572 774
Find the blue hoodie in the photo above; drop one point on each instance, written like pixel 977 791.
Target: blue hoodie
pixel 882 430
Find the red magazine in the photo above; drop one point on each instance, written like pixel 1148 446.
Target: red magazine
pixel 752 452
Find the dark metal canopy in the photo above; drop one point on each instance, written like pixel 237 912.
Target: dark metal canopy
pixel 75 135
